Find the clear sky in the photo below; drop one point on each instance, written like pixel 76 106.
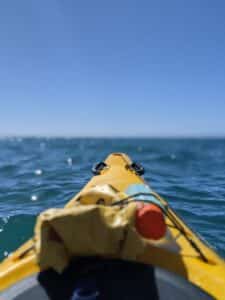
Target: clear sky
pixel 112 68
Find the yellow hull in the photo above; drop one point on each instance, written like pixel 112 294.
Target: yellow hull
pixel 209 275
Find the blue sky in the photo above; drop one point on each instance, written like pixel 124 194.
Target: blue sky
pixel 112 68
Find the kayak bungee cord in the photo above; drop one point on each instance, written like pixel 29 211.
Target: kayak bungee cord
pixel 166 210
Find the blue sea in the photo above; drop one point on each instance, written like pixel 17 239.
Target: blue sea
pixel 39 173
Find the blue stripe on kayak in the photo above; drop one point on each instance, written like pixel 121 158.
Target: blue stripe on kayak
pixel 142 188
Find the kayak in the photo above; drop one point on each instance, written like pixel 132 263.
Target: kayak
pixel 176 262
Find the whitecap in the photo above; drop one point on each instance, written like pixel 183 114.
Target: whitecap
pixel 5 220
pixel 173 156
pixel 34 198
pixel 38 172
pixel 69 161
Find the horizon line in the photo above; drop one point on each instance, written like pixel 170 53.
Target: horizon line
pixel 24 136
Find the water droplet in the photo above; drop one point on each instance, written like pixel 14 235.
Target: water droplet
pixel 38 172
pixel 6 253
pixel 1 229
pixel 34 198
pixel 69 161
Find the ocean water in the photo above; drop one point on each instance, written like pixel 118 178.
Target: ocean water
pixel 39 173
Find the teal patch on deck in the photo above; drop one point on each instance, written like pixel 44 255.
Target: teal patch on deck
pixel 143 188
pixel 138 188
